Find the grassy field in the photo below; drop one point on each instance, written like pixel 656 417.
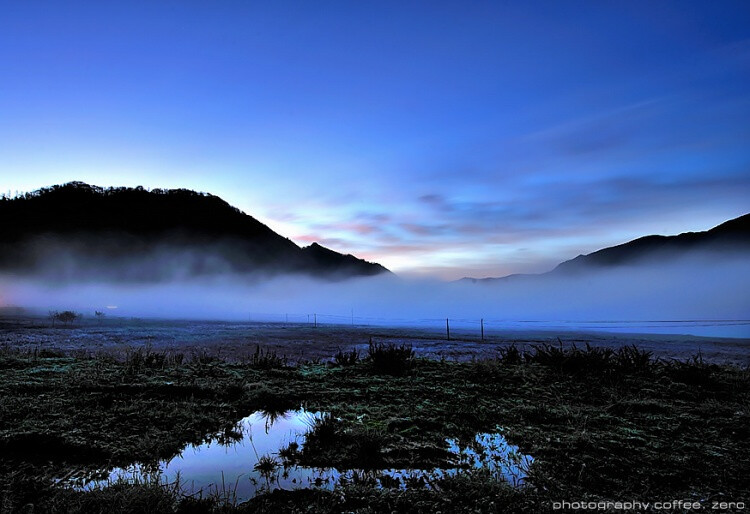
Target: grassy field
pixel 601 424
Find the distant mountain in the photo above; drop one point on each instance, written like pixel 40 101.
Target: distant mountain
pixel 515 277
pixel 730 236
pixel 78 230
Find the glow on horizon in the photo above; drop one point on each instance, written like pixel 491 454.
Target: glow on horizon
pixel 441 139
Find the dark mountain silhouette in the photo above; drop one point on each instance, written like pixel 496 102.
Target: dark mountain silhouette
pixel 76 229
pixel 729 237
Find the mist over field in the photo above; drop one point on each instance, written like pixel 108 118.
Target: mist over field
pixel 698 286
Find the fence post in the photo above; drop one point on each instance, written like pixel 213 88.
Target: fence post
pixel 316 320
pixel 448 329
pixel 481 322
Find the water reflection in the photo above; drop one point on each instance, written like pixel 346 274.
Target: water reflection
pixel 492 451
pixel 240 463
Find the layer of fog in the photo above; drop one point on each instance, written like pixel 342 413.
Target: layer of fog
pixel 698 287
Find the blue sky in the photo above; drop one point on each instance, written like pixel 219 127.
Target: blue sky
pixel 442 138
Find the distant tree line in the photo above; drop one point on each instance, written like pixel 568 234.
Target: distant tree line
pixel 77 206
pixel 97 190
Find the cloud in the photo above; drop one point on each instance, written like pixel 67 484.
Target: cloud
pixel 373 217
pixel 460 236
pixel 432 199
pixel 663 154
pixel 418 229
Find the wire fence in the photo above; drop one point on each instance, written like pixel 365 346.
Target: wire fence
pixel 483 327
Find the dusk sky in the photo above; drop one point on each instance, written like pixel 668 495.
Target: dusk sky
pixel 442 138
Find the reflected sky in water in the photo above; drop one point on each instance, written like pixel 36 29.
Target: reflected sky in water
pixel 230 463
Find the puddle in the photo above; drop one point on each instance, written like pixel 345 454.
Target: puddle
pixel 245 462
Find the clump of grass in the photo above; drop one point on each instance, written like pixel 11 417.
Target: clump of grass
pixel 695 371
pixel 390 358
pixel 229 435
pixel 325 441
pixel 144 358
pixel 597 361
pixel 547 355
pixel 334 442
pixel 368 447
pixel 634 360
pixel 203 358
pixel 574 361
pixel 266 359
pixel 323 429
pixel 140 359
pixel 147 494
pixel 273 402
pixel 349 358
pixel 510 355
pixel 272 413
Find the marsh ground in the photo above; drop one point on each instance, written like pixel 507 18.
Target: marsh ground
pixel 601 424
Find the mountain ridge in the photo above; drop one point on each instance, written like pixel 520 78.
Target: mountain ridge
pixel 174 228
pixel 731 235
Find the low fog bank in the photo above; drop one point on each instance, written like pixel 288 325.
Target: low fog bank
pixel 117 257
pixel 698 287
